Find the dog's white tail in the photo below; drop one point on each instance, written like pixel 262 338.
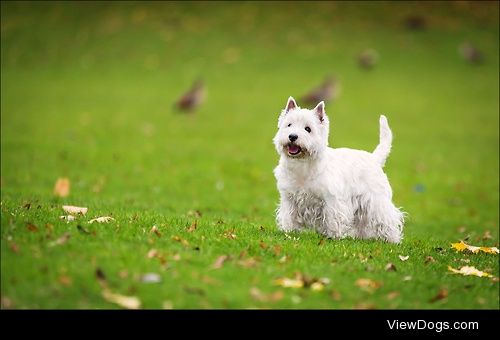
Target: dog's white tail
pixel 384 147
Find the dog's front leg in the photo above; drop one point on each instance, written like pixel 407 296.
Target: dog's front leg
pixel 286 215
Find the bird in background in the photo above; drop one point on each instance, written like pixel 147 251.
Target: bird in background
pixel 470 53
pixel 193 98
pixel 328 90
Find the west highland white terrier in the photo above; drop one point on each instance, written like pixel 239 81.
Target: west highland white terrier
pixel 337 192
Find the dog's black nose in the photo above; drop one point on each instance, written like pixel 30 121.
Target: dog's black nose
pixel 293 137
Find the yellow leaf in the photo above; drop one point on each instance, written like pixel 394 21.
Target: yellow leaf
pixel 317 286
pixel 128 302
pixel 462 246
pixel 469 270
pixel 368 285
pixel 289 283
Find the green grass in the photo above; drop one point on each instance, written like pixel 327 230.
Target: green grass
pixel 87 92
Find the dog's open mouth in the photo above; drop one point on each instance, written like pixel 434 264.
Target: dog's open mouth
pixel 293 149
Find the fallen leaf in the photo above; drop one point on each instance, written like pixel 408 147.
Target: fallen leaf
pixel 152 253
pixel 65 280
pixel 487 235
pixel 461 229
pixel 103 219
pixel 70 209
pixel 195 213
pixel 368 285
pixel 407 278
pixel 192 227
pixel 14 247
pixel 321 242
pixel 289 283
pixel 284 259
pixel 31 227
pixel 469 270
pixel 150 278
pixel 390 267
pixel 317 286
pixel 393 295
pixel 68 218
pixel 277 250
pixel 61 240
pixel 219 262
pixel 257 295
pixel 180 240
pixel 263 245
pixel 248 263
pixel 123 274
pixel 128 302
pixel 335 294
pixel 443 293
pixel 154 229
pixel 404 258
pixel 229 234
pixel 62 186
pixel 462 246
pixel 429 259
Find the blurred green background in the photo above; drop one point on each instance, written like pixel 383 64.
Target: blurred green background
pixel 88 92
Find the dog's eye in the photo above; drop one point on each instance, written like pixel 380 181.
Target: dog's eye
pixel 289 125
pixel 308 129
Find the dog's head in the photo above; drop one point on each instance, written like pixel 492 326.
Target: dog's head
pixel 302 133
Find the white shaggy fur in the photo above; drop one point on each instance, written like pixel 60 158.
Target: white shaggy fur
pixel 337 192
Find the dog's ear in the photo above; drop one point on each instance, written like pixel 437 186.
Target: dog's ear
pixel 319 110
pixel 290 105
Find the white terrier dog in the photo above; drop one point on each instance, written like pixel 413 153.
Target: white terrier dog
pixel 337 192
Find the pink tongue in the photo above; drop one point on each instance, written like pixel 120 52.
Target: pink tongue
pixel 293 148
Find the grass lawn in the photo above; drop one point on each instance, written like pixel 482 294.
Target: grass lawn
pixel 87 93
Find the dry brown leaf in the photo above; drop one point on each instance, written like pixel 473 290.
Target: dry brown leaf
pixel 61 240
pixel 62 186
pixel 192 227
pixel 404 258
pixel 152 253
pixel 65 280
pixel 128 302
pixel 443 293
pixel 263 245
pixel 462 246
pixel 14 247
pixel 103 219
pixel 390 267
pixel 487 235
pixel 219 262
pixel 180 240
pixel 154 229
pixel 277 250
pixel 71 209
pixel 368 285
pixel 31 227
pixel 335 294
pixel 393 295
pixel 248 263
pixel 257 295
pixel 469 270
pixel 123 274
pixel 429 259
